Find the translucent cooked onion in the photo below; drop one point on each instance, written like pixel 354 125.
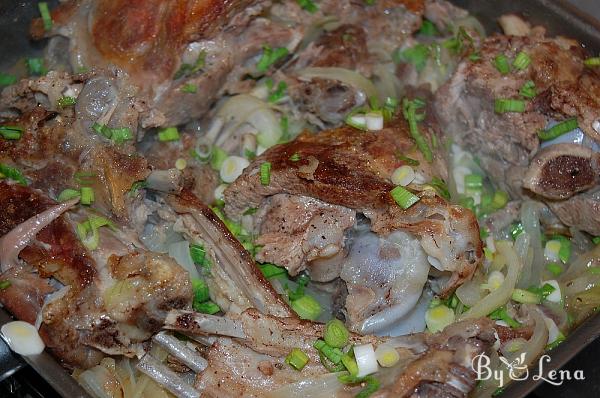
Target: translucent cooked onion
pixel 246 108
pixel 343 75
pixel 500 296
pixel 530 218
pixel 324 386
pixel 469 293
pixel 180 252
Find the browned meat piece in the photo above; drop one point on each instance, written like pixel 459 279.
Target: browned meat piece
pixel 507 144
pixel 350 168
pixel 236 282
pixel 441 360
pixel 152 40
pixel 112 306
pixel 306 229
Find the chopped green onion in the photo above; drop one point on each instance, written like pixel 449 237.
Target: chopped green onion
pixel 369 2
pixel 467 202
pixel 559 339
pixel 594 270
pixel 336 334
pixel 250 211
pixel 200 289
pixel 45 13
pixel 269 57
pixel 307 307
pixel 558 129
pixel 521 61
pixel 502 314
pixel 596 240
pixel 357 120
pixel 441 187
pixel 11 132
pixel 189 88
pixel 308 5
pixel 4 284
pixel 473 182
pixel 403 197
pixel 272 271
pixel 554 268
pixel 136 186
pixel 265 173
pixel 68 194
pixel 565 248
pixel 591 62
pixel 334 354
pixel 278 93
pixel 371 384
pixel 198 255
pixel 87 231
pixel 474 56
pixel 121 134
pixel 390 107
pixel 526 297
pixel 295 157
pixel 501 63
pixel 407 160
pixel 437 318
pixel 207 307
pixel 297 359
pixel 410 114
pixel 168 134
pixel 87 196
pixel 12 174
pixel 516 229
pixel 35 66
pixel 528 89
pixel 6 79
pixel 416 55
pixel 217 157
pixel 428 29
pixel 66 101
pixel 190 69
pixel 350 364
pixel 504 105
pixel 499 200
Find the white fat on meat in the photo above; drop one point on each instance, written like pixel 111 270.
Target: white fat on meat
pixel 385 276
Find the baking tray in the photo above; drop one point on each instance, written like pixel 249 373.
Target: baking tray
pixel 559 17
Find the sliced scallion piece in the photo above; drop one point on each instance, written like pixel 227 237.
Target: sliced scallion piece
pixel 295 157
pixel 4 284
pixel 87 231
pixel 336 334
pixel 554 268
pixel 334 354
pixel 522 61
pixel 558 129
pixel 592 62
pixel 416 55
pixel 504 105
pixel 68 194
pixel 307 307
pixel 526 297
pixel 297 359
pixel 265 173
pixel 501 63
pixel 269 57
pixel 6 79
pixel 473 182
pixel 308 5
pixel 528 89
pixel 271 270
pixel 428 28
pixel 189 88
pixel 87 196
pixel 410 114
pixel 168 134
pixel 66 101
pixel 45 13
pixel 403 197
pixel 35 66
pixel 11 132
pixel 207 307
pixel 12 174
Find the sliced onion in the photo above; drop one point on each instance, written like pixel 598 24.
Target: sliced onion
pixel 232 168
pixel 180 252
pixel 365 359
pixel 245 108
pixel 322 386
pixel 500 296
pixel 343 75
pixel 166 377
pixel 22 338
pixel 13 242
pixel 530 218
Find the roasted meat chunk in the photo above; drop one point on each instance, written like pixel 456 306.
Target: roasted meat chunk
pixel 320 182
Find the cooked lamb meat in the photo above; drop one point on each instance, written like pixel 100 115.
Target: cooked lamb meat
pixel 110 306
pixel 441 359
pixel 237 282
pixel 351 169
pixel 507 144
